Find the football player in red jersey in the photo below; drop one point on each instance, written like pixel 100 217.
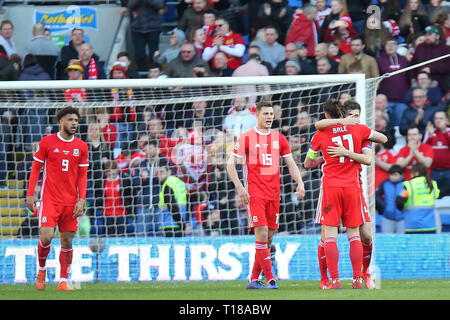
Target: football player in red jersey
pixel 341 196
pixel 259 151
pixel 353 112
pixel 64 158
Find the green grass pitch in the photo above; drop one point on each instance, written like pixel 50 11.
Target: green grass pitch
pixel 429 289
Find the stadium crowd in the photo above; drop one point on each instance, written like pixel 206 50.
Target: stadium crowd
pixel 160 170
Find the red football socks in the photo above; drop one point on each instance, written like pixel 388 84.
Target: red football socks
pixel 42 253
pixel 367 255
pixel 262 257
pixel 65 259
pixel 322 261
pixel 356 256
pixel 332 257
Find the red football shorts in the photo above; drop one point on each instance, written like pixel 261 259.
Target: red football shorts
pixel 52 215
pixel 336 204
pixel 262 212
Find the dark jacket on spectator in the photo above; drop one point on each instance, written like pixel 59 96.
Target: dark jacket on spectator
pixel 183 69
pixel 33 73
pixel 396 86
pixel 385 197
pixel 434 94
pixel 7 71
pixel 191 20
pixel 67 52
pixel 439 69
pixel 145 16
pixel 410 114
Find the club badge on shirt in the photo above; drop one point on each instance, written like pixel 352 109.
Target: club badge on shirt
pixel 76 152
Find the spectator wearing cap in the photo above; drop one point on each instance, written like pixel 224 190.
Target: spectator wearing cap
pixel 413 20
pixel 176 39
pixel 432 48
pixel 292 68
pixel 305 28
pixel 368 63
pixel 394 87
pixel 70 51
pixel 271 50
pixel 75 71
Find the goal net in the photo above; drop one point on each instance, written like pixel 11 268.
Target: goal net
pixel 134 127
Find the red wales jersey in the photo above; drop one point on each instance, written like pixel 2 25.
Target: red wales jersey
pixel 61 159
pixel 230 40
pixel 340 171
pixel 380 174
pixel 261 161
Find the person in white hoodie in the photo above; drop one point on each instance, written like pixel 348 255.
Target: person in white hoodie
pixel 239 118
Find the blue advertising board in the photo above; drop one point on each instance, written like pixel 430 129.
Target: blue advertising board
pixel 65 20
pixel 220 258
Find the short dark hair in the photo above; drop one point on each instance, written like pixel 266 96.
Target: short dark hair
pixel 358 37
pixel 123 54
pixel 75 29
pixel 263 104
pixel 154 65
pixel 413 126
pixel 351 105
pixel 395 168
pixel 67 110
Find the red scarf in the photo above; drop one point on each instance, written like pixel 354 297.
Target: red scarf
pixel 92 69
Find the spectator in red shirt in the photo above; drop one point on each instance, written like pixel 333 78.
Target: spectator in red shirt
pixel 384 159
pixel 415 151
pixel 438 137
pixel 225 40
pixel 117 200
pixel 156 130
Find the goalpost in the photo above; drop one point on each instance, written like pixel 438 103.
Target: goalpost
pixel 195 122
